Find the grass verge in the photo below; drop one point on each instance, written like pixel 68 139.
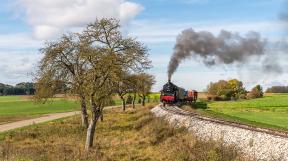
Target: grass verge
pixel 131 135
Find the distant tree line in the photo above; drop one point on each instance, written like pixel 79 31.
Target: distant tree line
pixel 232 90
pixel 277 89
pixel 24 88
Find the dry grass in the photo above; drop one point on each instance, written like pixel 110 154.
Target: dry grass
pixel 131 135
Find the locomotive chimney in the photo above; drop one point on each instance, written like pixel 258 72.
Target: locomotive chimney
pixel 169 80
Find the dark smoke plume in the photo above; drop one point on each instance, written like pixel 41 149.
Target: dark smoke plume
pixel 225 48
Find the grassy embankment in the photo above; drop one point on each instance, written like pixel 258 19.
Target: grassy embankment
pixel 131 135
pixel 271 111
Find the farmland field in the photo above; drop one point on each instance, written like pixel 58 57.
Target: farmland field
pixel 14 108
pixel 271 111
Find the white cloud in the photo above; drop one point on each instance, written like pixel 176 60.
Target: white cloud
pixel 128 11
pixel 18 41
pixel 167 31
pixel 17 66
pixel 51 17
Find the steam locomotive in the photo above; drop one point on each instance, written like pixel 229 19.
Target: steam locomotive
pixel 172 94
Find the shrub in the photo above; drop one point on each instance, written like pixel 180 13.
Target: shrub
pixel 256 92
pixel 219 88
pixel 226 90
pixel 243 96
pixel 215 98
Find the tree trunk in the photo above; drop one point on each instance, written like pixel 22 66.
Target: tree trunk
pixel 133 101
pixel 143 101
pixel 102 117
pixel 123 103
pixel 90 133
pixel 84 112
pixel 96 113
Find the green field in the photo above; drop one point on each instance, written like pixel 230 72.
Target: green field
pixel 13 108
pixel 270 111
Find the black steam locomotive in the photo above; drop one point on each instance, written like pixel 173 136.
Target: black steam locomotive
pixel 172 94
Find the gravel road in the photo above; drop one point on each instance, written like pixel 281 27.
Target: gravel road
pixel 45 118
pixel 48 117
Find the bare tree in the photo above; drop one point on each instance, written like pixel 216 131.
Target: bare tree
pixel 99 87
pixel 144 85
pixel 133 81
pixel 108 54
pixel 62 61
pixel 90 63
pixel 122 88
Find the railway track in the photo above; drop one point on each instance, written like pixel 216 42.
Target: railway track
pixel 179 111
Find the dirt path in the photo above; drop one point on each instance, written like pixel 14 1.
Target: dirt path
pixel 48 117
pixel 45 118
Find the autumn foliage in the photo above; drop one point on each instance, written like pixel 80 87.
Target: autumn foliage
pixel 226 90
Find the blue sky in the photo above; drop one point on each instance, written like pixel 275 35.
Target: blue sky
pixel 27 24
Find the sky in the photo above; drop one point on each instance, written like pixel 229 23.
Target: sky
pixel 25 25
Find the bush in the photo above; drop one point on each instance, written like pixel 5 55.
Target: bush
pixel 226 90
pixel 256 92
pixel 215 98
pixel 243 96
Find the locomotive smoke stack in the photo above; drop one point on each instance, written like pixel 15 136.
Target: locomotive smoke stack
pixel 169 80
pixel 224 48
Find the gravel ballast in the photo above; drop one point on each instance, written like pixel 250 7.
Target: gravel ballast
pixel 256 145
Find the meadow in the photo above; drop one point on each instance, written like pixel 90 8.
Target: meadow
pixel 14 108
pixel 131 135
pixel 271 111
